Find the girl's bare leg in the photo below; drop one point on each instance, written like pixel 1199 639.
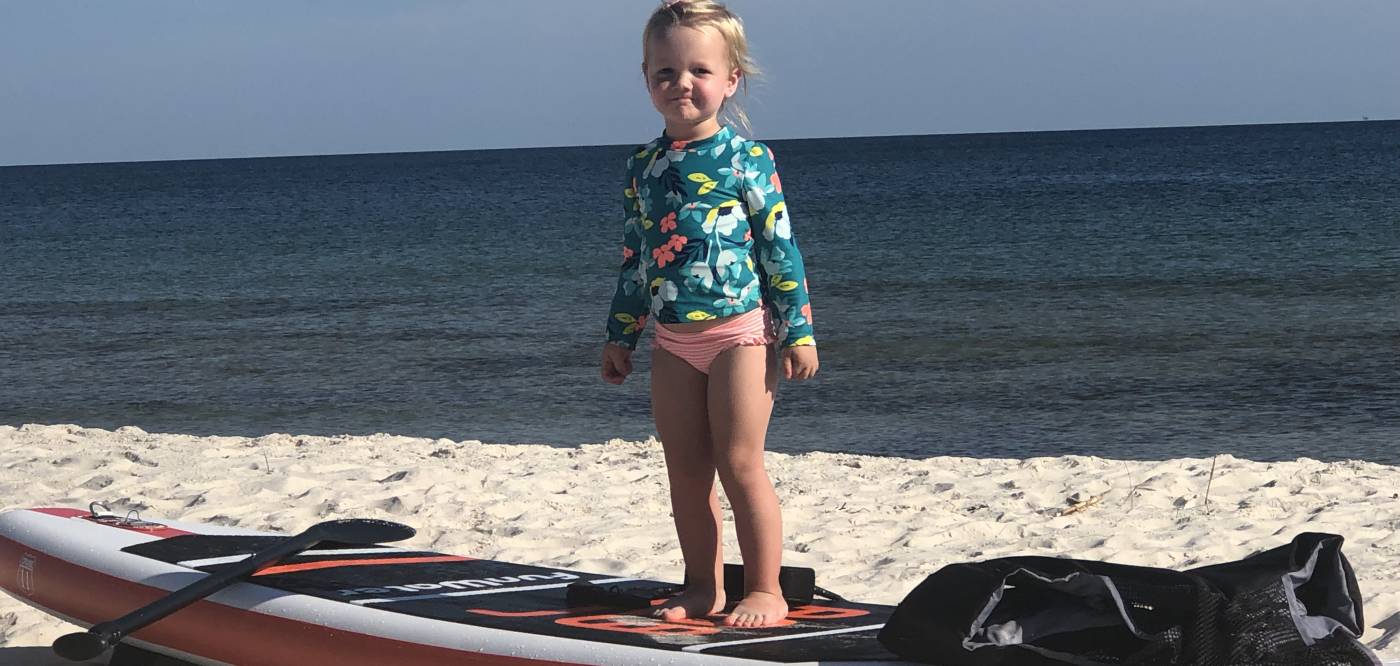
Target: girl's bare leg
pixel 678 394
pixel 742 383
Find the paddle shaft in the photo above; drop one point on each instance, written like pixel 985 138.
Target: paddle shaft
pixel 114 630
pixel 103 635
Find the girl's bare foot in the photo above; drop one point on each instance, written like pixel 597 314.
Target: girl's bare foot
pixel 693 603
pixel 758 609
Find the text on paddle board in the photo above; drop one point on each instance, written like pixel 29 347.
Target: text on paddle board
pixel 466 584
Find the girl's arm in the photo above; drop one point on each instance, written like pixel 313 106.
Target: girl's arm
pixel 779 261
pixel 627 316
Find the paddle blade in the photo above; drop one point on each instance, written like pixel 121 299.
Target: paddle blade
pixel 362 530
pixel 79 647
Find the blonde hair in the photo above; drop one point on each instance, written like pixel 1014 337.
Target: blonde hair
pixel 708 14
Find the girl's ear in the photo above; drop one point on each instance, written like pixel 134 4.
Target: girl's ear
pixel 646 80
pixel 733 85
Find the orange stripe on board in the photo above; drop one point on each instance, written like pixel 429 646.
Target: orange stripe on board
pixel 330 564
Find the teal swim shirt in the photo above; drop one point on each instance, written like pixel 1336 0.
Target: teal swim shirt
pixel 707 235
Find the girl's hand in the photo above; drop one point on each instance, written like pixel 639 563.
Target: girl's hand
pixel 617 363
pixel 800 363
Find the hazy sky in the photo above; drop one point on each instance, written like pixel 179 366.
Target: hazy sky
pixel 145 79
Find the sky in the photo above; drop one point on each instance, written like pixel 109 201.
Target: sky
pixel 172 79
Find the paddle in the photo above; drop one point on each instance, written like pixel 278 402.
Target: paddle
pixel 94 641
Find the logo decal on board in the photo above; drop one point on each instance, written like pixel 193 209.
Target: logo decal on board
pixel 24 579
pixel 505 582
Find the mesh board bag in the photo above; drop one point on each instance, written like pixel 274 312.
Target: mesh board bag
pixel 1296 604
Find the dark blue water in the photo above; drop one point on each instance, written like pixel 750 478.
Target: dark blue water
pixel 1131 293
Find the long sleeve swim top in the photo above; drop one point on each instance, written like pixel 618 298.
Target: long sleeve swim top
pixel 706 235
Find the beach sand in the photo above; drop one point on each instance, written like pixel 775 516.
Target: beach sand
pixel 872 527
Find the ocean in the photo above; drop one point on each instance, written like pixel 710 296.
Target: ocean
pixel 1140 294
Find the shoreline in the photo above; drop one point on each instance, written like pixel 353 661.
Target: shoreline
pixel 604 507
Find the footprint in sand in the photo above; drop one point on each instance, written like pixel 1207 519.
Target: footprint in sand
pixel 139 460
pixel 397 476
pixel 398 506
pixel 96 482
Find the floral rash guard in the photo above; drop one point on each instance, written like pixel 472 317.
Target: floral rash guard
pixel 707 236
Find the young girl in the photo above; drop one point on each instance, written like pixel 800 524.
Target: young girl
pixel 708 251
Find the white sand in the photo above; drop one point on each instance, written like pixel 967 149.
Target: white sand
pixel 872 527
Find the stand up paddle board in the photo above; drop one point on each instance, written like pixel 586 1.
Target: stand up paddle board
pixel 358 604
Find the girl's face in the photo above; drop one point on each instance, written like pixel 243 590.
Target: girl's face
pixel 689 76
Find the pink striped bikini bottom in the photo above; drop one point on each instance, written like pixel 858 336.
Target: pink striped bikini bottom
pixel 700 349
